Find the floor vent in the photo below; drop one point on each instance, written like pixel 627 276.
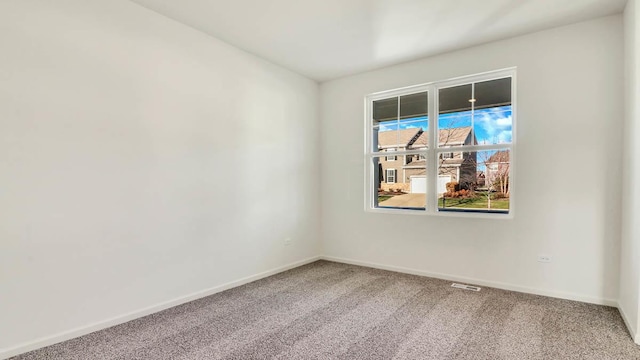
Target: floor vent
pixel 465 287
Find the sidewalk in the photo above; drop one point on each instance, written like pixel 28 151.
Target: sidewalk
pixel 406 200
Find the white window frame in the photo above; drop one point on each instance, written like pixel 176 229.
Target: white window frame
pixel 386 176
pixel 433 152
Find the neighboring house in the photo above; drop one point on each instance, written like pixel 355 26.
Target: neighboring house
pixel 480 179
pixel 498 171
pixel 408 172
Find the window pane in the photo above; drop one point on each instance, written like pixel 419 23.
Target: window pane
pixel 454 129
pixel 405 132
pixel 401 137
pixel 385 124
pixel 493 125
pixel 414 120
pixel 492 93
pixel 455 116
pixel 386 109
pixel 492 120
pixel 455 99
pixel 414 105
pixel 400 184
pixel 475 181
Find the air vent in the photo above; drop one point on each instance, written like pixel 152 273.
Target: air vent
pixel 465 287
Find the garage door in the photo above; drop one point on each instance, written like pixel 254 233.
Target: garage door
pixel 419 184
pixel 442 183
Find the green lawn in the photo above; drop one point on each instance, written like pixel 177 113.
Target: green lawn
pixel 382 198
pixel 478 202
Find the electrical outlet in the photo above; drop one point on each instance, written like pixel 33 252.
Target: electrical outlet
pixel 544 258
pixel 287 241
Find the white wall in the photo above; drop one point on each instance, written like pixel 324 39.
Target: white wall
pixel 630 249
pixel 570 114
pixel 140 161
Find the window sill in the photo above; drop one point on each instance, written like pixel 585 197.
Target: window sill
pixel 469 214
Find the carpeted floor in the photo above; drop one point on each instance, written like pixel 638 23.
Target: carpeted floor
pixel 328 310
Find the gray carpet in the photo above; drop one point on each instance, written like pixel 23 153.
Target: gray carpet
pixel 328 310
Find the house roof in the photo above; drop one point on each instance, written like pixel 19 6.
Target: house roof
pixel 442 163
pixel 417 163
pixel 397 137
pixel 446 136
pixel 408 137
pixel 499 156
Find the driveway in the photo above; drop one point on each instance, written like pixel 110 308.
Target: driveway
pixel 406 200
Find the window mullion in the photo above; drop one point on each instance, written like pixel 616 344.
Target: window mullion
pixel 473 111
pixel 432 179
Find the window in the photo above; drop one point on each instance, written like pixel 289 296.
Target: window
pixel 391 176
pixel 391 158
pixel 457 141
pixel 408 159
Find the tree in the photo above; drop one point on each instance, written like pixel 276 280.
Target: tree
pixel 493 165
pixel 497 166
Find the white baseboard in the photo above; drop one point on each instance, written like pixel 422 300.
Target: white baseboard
pixel 632 331
pixel 474 281
pixel 84 330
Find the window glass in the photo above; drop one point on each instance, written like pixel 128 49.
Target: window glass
pixel 391 176
pixel 414 120
pixel 455 99
pixel 399 186
pixel 400 128
pixel 479 181
pixel 385 124
pixel 455 116
pixel 492 121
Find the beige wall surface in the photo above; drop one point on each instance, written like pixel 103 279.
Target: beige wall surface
pixel 569 101
pixel 141 162
pixel 630 252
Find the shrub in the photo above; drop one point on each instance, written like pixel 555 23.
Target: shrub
pixel 452 187
pixel 500 195
pixel 459 194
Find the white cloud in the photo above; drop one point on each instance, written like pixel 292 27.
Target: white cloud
pixel 495 124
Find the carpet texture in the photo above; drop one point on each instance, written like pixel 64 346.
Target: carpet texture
pixel 327 310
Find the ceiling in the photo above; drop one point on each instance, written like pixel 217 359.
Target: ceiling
pixel 328 39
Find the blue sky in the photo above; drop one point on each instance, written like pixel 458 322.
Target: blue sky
pixel 491 126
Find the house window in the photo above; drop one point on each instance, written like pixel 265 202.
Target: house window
pixel 391 176
pixel 391 158
pixel 457 139
pixel 408 159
